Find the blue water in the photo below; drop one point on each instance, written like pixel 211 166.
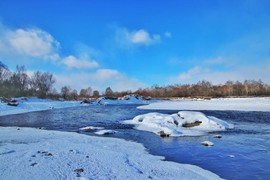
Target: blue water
pixel 241 153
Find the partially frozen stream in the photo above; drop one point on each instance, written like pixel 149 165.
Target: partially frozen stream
pixel 241 153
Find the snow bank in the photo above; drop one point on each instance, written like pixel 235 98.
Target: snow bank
pixel 233 104
pixel 35 154
pixel 105 132
pixel 129 99
pixel 90 128
pixel 184 123
pixel 35 104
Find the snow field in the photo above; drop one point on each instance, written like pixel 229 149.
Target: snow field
pixel 232 104
pixel 27 153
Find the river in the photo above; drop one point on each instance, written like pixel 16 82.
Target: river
pixel 241 153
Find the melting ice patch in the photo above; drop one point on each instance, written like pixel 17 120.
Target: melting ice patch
pixel 183 123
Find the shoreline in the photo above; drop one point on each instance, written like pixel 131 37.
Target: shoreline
pixel 33 153
pixel 222 104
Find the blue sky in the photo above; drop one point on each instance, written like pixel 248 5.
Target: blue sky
pixel 131 44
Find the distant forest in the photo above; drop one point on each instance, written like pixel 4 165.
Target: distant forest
pixel 40 84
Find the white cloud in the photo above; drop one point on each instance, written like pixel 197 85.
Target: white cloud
pixel 127 38
pixel 73 62
pixel 106 74
pixel 191 73
pixel 30 42
pixel 143 37
pixel 215 61
pixel 100 79
pixel 241 73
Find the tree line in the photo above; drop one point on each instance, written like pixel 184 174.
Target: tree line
pixel 40 84
pixel 18 83
pixel 207 89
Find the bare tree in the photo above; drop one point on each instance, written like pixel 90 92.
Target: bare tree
pixel 42 83
pixel 86 92
pixel 20 81
pixel 3 72
pixel 74 94
pixel 66 91
pixel 96 93
pixel 89 91
pixel 108 92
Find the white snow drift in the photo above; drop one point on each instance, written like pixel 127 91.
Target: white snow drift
pixel 35 104
pixel 90 128
pixel 233 104
pixel 27 153
pixel 105 132
pixel 184 123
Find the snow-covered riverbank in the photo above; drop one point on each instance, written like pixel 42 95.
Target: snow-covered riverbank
pixel 233 104
pixel 237 104
pixel 27 153
pixel 35 104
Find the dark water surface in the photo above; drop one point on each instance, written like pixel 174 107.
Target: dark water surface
pixel 241 153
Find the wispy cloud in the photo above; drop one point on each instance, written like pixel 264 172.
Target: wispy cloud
pixel 215 61
pixel 127 38
pixel 99 79
pixel 32 42
pixel 191 73
pixel 143 37
pixel 240 73
pixel 73 62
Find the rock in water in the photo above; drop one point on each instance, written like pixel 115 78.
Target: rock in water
pixel 207 143
pixel 217 136
pixel 163 134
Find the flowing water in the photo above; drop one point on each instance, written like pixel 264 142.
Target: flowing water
pixel 241 153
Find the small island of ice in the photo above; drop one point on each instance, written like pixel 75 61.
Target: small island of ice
pixel 183 123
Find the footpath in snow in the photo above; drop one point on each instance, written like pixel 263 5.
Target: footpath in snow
pixel 27 153
pixel 232 104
